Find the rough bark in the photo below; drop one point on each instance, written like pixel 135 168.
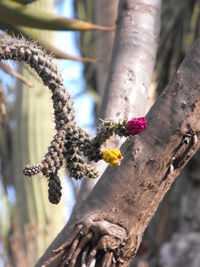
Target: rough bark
pixel 131 68
pixel 120 206
pixel 177 217
pixel 179 214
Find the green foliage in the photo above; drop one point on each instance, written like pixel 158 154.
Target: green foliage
pixel 26 16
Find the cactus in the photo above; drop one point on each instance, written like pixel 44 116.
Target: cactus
pixel 70 143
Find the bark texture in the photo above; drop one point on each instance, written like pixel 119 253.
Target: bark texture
pixel 131 68
pixel 177 218
pixel 120 206
pixel 133 58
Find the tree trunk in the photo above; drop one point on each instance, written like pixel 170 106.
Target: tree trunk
pixel 173 234
pixel 130 72
pixel 115 214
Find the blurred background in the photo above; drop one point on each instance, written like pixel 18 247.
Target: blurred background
pixel 28 222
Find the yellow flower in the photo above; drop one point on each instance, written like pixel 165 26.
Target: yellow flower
pixel 112 156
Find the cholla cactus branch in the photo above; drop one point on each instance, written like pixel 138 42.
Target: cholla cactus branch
pixel 53 160
pixel 42 63
pixel 33 170
pixel 77 167
pixel 108 128
pixel 91 148
pixel 55 188
pixel 70 142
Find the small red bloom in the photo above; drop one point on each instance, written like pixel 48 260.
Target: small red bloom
pixel 136 125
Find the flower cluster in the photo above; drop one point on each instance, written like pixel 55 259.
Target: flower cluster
pixel 136 125
pixel 112 156
pixel 70 143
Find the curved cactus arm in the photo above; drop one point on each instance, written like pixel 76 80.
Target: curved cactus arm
pixel 70 142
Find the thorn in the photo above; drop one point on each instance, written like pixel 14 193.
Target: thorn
pixel 195 139
pixel 93 263
pixel 120 260
pixel 171 168
pixel 186 138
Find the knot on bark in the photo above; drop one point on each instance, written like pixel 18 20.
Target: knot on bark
pixel 91 241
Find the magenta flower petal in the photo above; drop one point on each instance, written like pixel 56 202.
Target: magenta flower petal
pixel 136 125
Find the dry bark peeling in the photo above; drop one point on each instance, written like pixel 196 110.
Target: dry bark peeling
pixel 126 198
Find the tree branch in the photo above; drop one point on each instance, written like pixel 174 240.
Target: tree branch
pixel 133 58
pixel 128 196
pixel 131 68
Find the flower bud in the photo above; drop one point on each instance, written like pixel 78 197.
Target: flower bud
pixel 136 125
pixel 112 156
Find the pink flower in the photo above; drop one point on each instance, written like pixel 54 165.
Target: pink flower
pixel 136 125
